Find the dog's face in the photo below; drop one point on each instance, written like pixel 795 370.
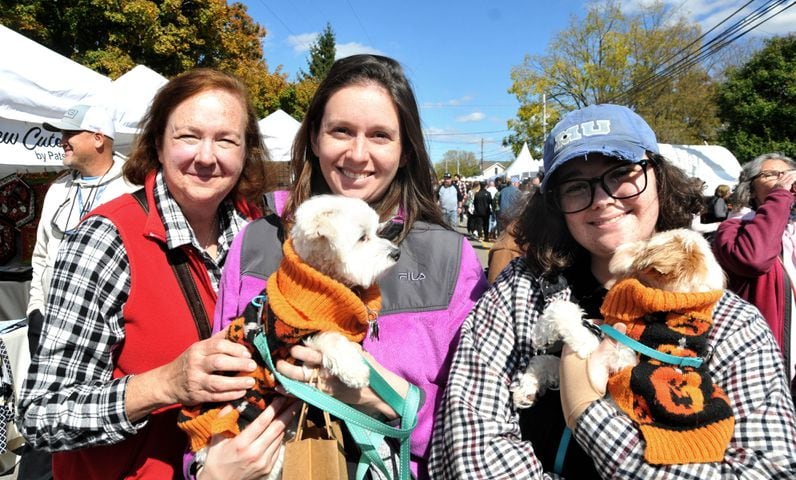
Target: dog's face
pixel 337 236
pixel 676 261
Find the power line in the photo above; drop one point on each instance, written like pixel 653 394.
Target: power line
pixel 464 133
pixel 361 25
pixel 721 40
pixel 277 17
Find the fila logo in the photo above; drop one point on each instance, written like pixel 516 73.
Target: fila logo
pixel 411 276
pixel 585 129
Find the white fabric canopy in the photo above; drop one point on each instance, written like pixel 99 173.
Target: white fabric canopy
pixel 129 96
pixel 713 164
pixel 278 130
pixel 524 165
pixel 38 85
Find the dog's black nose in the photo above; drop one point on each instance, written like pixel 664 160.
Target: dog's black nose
pixel 395 254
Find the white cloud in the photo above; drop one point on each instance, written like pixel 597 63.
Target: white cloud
pixel 353 48
pixel 454 102
pixel 302 42
pixel 709 13
pixel 471 117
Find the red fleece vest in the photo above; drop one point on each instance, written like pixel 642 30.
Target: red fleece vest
pixel 158 327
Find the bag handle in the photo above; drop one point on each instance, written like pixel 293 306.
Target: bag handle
pixel 303 419
pixel 366 431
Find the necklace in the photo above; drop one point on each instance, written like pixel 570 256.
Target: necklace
pixel 212 236
pixel 94 193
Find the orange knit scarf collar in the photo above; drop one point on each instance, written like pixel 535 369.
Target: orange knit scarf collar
pixel 310 301
pixel 629 300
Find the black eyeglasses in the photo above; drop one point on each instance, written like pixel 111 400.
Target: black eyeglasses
pixel 60 221
pixel 768 175
pixel 626 180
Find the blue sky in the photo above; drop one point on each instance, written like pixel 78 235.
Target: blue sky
pixel 458 55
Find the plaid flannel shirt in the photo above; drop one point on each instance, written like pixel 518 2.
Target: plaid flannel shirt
pixel 477 434
pixel 70 398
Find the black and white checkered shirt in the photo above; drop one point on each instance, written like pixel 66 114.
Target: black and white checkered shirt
pixel 70 398
pixel 478 435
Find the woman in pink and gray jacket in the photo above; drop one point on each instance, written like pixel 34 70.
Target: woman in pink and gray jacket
pixel 362 138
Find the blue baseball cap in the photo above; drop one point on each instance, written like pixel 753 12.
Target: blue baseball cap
pixel 611 130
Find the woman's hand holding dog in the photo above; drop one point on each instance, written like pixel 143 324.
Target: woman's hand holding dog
pixel 363 399
pixel 193 377
pixel 253 453
pixel 584 380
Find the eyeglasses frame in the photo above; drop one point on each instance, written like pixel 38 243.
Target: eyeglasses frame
pixel 600 180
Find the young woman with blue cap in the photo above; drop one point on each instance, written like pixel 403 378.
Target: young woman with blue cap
pixel 605 185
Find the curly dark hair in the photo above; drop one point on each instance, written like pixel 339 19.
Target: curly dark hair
pixel 550 249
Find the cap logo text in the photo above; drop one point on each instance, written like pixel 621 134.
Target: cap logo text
pixel 585 129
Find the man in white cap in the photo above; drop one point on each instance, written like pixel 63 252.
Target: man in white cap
pixel 94 177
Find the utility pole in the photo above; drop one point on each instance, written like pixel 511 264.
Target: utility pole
pixel 482 155
pixel 544 117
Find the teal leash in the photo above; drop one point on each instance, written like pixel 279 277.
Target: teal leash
pixel 639 347
pixel 366 431
pixel 563 445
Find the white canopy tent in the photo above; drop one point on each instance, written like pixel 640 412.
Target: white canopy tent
pixel 37 85
pixel 278 130
pixel 130 96
pixel 713 164
pixel 524 166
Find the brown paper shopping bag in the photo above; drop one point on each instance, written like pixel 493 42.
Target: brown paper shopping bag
pixel 315 453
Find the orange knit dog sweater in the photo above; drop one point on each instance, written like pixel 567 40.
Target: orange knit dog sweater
pixel 301 301
pixel 683 416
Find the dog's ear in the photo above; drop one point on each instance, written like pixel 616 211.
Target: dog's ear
pixel 323 224
pixel 624 258
pixel 315 218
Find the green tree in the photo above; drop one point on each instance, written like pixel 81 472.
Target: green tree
pixel 169 36
pixel 613 57
pixel 296 97
pixel 322 54
pixel 757 102
pixel 458 161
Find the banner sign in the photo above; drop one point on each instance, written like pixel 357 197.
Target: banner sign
pixel 29 144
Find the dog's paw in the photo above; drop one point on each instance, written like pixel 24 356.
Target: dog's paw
pixel 622 357
pixel 568 318
pixel 276 470
pixel 583 342
pixel 342 358
pixel 353 372
pixel 524 394
pixel 541 375
pixel 546 331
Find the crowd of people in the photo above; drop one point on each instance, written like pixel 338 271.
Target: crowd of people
pixel 135 312
pixel 485 207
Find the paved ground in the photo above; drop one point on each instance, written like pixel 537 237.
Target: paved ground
pixel 481 248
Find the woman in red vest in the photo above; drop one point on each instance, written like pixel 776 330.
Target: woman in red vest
pixel 125 340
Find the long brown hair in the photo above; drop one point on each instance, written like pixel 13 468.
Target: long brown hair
pixel 542 232
pixel 412 188
pixel 144 157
